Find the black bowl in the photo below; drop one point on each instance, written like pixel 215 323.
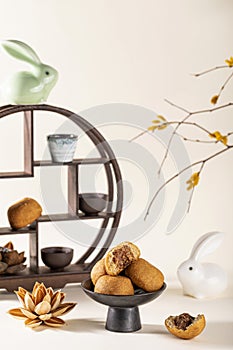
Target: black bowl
pixel 92 203
pixel 123 313
pixel 56 257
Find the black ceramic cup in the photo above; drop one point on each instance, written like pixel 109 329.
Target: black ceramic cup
pixel 57 257
pixel 92 203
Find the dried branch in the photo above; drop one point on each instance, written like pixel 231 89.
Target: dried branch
pixel 161 123
pixel 229 64
pixel 201 111
pixel 183 121
pixel 224 85
pixel 194 186
pixel 176 106
pixel 210 70
pixel 184 138
pixel 202 162
pixel 179 123
pixel 139 135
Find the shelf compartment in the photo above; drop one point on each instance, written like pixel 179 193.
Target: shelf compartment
pixel 80 161
pixel 28 150
pixel 73 273
pixel 67 217
pixel 54 217
pixel 33 243
pixel 15 174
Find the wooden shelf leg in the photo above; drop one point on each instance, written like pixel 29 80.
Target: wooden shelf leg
pixel 73 204
pixel 28 142
pixel 33 248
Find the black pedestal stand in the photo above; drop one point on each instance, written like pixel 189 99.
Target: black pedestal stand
pixel 123 319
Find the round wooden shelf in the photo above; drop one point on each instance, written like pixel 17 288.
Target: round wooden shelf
pixel 110 218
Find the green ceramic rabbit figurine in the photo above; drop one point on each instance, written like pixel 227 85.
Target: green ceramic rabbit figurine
pixel 28 87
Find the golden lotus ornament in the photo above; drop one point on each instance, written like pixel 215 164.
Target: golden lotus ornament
pixel 42 306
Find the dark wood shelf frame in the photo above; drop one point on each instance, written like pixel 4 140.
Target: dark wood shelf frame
pixel 28 149
pixel 81 269
pixel 74 273
pixel 81 161
pixel 68 217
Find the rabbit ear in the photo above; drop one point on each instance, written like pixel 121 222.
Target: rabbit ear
pixel 206 244
pixel 21 51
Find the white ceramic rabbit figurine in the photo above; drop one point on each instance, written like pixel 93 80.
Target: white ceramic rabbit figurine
pixel 29 87
pixel 203 280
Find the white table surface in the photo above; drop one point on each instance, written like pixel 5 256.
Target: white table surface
pixel 84 327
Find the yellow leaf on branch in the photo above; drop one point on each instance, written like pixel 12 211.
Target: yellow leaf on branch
pixel 193 181
pixel 214 99
pixel 162 126
pixel 152 128
pixel 229 61
pixel 159 124
pixel 219 137
pixel 161 118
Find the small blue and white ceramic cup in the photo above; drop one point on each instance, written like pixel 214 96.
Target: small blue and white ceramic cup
pixel 62 147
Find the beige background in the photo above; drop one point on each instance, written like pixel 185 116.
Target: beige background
pixel 136 52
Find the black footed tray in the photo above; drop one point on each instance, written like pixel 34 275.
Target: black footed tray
pixel 123 312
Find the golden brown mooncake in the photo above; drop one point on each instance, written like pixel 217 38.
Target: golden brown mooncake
pixel 185 326
pixel 121 256
pixel 114 285
pixel 23 213
pixel 98 270
pixel 144 275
